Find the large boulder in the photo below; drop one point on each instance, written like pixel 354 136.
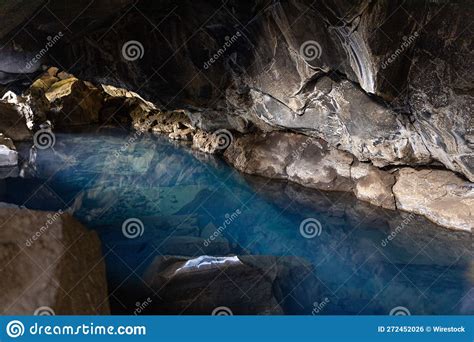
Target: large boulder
pixel 14 116
pixel 223 285
pixel 308 161
pixel 49 260
pixel 73 102
pixel 439 195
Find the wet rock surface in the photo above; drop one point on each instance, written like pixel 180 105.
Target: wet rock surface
pixel 235 284
pixel 373 98
pixel 50 260
pixel 439 195
pixel 387 81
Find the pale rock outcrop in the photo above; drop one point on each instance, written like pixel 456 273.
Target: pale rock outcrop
pixel 73 102
pixel 50 260
pixel 388 81
pixel 439 195
pixel 373 185
pixel 15 117
pixel 8 153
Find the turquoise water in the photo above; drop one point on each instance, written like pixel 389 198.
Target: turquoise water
pixel 182 197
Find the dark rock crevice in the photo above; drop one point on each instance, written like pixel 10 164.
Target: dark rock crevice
pixel 382 83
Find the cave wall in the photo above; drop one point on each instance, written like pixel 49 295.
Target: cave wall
pixel 388 81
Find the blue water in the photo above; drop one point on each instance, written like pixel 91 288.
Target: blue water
pixel 181 196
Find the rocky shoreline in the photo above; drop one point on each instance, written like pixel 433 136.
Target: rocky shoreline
pixel 441 195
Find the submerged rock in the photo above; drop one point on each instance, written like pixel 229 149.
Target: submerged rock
pixel 241 284
pixel 50 260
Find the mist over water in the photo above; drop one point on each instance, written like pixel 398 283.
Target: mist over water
pixel 187 204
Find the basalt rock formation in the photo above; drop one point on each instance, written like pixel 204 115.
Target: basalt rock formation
pixel 384 87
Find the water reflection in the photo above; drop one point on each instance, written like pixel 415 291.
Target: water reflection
pixel 183 198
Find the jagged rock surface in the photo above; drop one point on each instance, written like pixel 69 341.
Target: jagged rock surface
pixel 388 81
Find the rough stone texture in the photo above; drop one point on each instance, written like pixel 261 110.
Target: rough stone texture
pixel 73 102
pixel 244 284
pixel 304 160
pixel 373 185
pixel 390 82
pixel 50 259
pixel 441 196
pixel 8 153
pixel 209 142
pixel 294 157
pixel 13 123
